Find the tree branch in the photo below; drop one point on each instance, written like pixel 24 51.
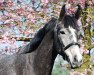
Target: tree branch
pixel 26 39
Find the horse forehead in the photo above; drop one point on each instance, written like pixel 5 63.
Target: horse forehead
pixel 72 30
pixel 73 33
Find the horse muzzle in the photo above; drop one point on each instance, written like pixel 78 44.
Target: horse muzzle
pixel 76 64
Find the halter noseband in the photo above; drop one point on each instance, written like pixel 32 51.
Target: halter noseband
pixel 71 44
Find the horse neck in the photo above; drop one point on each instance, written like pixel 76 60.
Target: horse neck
pixel 43 62
pixel 44 56
pixel 35 42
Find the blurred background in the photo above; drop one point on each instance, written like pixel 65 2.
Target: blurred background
pixel 21 19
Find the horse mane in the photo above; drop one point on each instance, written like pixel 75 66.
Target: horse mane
pixel 35 42
pixel 31 63
pixel 70 20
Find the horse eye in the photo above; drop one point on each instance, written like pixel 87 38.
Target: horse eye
pixel 62 32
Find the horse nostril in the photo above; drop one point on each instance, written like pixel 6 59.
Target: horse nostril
pixel 81 61
pixel 75 59
pixel 78 61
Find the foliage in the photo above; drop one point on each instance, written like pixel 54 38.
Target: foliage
pixel 59 67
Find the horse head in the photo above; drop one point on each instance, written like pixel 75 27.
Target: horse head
pixel 66 38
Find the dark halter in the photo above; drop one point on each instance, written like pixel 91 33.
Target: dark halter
pixel 71 44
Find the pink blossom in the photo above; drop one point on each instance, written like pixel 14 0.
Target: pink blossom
pixel 9 20
pixel 74 73
pixel 30 9
pixel 20 11
pixel 45 1
pixel 93 1
pixel 70 9
pixel 86 51
pixel 33 20
pixel 1 1
pixel 12 41
pixel 30 16
pixel 88 20
pixel 79 22
pixel 10 3
pixel 71 1
pixel 81 1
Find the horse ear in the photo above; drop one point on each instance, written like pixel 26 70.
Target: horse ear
pixel 78 12
pixel 62 12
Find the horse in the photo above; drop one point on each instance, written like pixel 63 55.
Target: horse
pixel 58 36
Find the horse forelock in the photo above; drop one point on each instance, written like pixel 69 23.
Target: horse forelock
pixel 70 20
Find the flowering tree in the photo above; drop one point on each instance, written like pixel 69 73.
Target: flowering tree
pixel 20 19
